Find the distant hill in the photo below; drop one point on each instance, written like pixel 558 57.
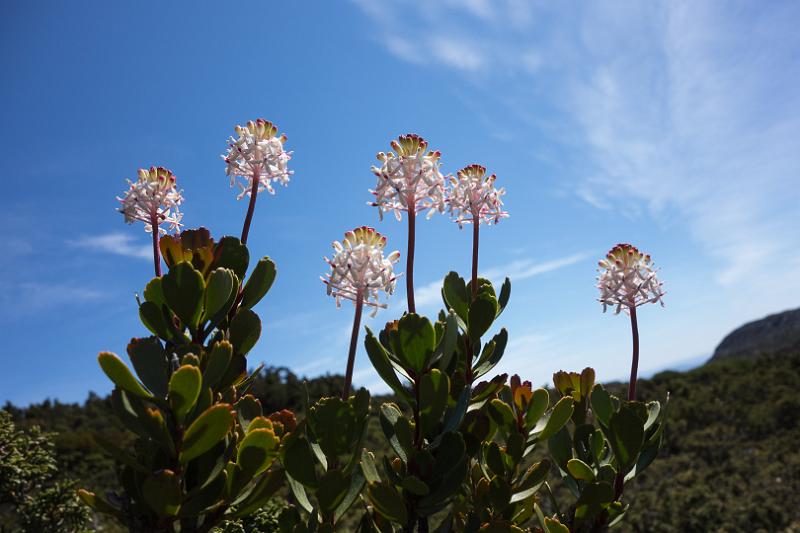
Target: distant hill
pixel 774 334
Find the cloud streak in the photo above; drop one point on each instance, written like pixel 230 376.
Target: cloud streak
pixel 114 243
pixel 27 297
pixel 430 294
pixel 675 109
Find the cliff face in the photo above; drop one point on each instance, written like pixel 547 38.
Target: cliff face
pixel 773 334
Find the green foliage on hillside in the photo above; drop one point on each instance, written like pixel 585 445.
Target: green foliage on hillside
pixel 731 460
pixel 32 498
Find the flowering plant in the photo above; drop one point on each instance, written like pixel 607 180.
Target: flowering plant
pixel 468 450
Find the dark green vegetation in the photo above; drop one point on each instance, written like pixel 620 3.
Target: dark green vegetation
pixel 731 458
pixel 730 462
pixel 31 499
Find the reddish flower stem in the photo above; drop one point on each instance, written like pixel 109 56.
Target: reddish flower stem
pixel 156 253
pixel 412 215
pixel 251 207
pixel 620 480
pixel 351 356
pixel 635 358
pixel 475 237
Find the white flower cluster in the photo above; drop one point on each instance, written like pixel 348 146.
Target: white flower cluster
pixel 153 196
pixel 409 178
pixel 628 279
pixel 257 153
pixel 472 197
pixel 360 270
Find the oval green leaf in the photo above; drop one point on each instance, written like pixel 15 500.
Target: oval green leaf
pixel 208 429
pixel 122 377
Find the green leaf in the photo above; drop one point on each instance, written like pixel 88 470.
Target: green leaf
pixel 265 488
pixel 454 294
pixel 388 502
pixel 332 489
pixel 183 288
pixel 455 415
pixel 651 446
pixel 380 361
pixel 208 429
pixel 218 361
pixel 607 473
pixel 494 459
pixel 184 389
pixel 414 341
pixel 153 319
pixel 434 390
pixel 532 480
pixel 98 504
pixel 501 413
pixel 257 450
pixel 653 410
pixel 121 403
pixel 482 312
pixel 597 444
pixel 162 492
pixel 245 330
pixel 580 470
pixel 204 498
pixel 415 486
pixel 552 525
pixel 601 404
pixel 540 401
pixel 229 252
pixel 560 446
pixel 492 353
pixel 299 492
pixel 390 418
pixel 259 283
pixel 299 462
pixel 153 292
pixel 558 417
pixel 217 300
pixel 626 436
pixel 122 377
pixel 449 341
pixel 155 426
pixel 505 294
pixel 150 363
pixel 353 492
pixel 592 500
pixel 248 408
pixel 368 466
pixel 499 493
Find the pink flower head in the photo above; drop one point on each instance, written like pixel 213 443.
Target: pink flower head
pixel 257 154
pixel 472 197
pixel 628 279
pixel 153 196
pixel 360 270
pixel 409 178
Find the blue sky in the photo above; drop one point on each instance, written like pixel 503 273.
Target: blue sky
pixel 674 126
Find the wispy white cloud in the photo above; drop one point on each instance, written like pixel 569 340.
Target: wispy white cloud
pixel 528 268
pixel 114 243
pixel 689 131
pixel 458 54
pixel 27 297
pixel 430 294
pixel 448 32
pixel 677 109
